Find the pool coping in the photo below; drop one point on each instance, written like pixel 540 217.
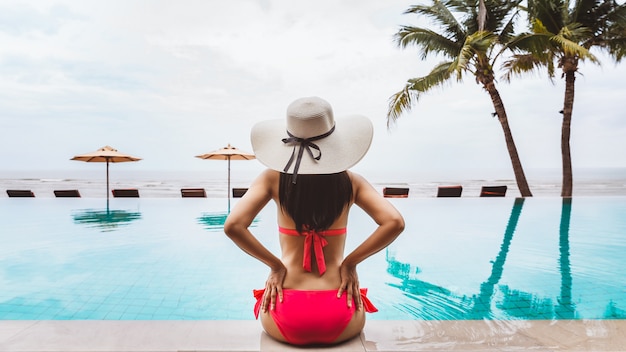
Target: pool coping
pixel 246 335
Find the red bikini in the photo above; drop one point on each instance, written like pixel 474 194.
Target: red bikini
pixel 317 316
pixel 312 316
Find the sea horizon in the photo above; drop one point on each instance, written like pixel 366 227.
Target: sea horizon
pixel 167 183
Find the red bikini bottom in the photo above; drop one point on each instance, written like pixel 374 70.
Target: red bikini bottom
pixel 307 317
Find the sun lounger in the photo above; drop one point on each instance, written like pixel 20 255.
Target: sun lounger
pixel 449 191
pixel 493 191
pixel 66 193
pixel 126 193
pixel 193 192
pixel 20 193
pixel 239 192
pixel 395 192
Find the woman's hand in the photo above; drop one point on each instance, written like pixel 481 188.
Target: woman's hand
pixel 273 289
pixel 350 284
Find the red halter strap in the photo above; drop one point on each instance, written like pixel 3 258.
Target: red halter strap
pixel 316 240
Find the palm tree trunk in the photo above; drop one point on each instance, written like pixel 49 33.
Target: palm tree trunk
pixel 520 177
pixel 568 107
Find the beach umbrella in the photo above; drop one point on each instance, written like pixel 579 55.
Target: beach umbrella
pixel 107 155
pixel 227 153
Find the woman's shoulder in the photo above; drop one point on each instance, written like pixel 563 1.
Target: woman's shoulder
pixel 268 176
pixel 360 185
pixel 266 181
pixel 356 178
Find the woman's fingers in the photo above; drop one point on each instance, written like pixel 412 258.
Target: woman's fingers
pixel 340 291
pixel 266 300
pixel 349 296
pixel 353 294
pixel 357 297
pixel 273 299
pixel 279 290
pixel 350 285
pixel 273 289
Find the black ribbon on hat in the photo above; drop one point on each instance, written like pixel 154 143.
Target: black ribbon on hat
pixel 303 143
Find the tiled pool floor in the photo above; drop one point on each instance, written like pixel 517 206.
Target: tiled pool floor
pixel 232 335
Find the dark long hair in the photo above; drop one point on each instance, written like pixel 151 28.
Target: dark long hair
pixel 315 201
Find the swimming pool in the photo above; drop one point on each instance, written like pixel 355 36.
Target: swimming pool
pixel 458 258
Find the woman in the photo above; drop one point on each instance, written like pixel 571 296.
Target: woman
pixel 312 294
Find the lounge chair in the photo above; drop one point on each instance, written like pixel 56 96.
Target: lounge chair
pixel 449 191
pixel 126 193
pixel 493 191
pixel 66 193
pixel 193 192
pixel 21 193
pixel 239 192
pixel 395 192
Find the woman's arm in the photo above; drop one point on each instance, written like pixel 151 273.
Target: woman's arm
pixel 236 228
pixel 390 225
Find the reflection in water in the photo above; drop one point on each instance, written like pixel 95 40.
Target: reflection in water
pixel 525 305
pixel 106 219
pixel 430 301
pixel 482 301
pixel 612 312
pixel 213 221
pixel 437 302
pixel 566 309
pixel 529 306
pixel 216 220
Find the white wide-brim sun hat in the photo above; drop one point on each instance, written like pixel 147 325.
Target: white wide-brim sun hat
pixel 309 126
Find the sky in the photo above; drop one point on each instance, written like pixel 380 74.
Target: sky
pixel 169 80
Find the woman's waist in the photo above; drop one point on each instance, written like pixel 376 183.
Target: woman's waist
pixel 298 278
pixel 296 265
pixel 295 259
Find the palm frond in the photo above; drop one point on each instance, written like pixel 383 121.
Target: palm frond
pixel 576 32
pixel 462 61
pixel 441 16
pixel 616 48
pixel 539 28
pixel 611 37
pixel 427 40
pixel 508 28
pixel 483 40
pixel 476 45
pixel 520 64
pixel 533 43
pixel 617 16
pixel 501 15
pixel 553 13
pixel 571 48
pixel 400 103
pixel 403 100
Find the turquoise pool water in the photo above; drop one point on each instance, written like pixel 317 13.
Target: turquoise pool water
pixel 461 258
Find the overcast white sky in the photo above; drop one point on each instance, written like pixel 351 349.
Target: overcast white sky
pixel 168 80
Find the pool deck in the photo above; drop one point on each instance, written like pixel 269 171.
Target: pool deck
pixel 378 335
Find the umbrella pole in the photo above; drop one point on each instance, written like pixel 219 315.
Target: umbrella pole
pixel 228 191
pixel 107 181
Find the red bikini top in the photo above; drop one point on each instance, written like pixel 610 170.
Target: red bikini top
pixel 317 240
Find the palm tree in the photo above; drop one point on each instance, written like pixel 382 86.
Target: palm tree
pixel 564 34
pixel 470 47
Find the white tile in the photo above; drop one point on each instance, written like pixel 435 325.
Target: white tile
pixel 270 345
pixel 156 336
pixel 490 335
